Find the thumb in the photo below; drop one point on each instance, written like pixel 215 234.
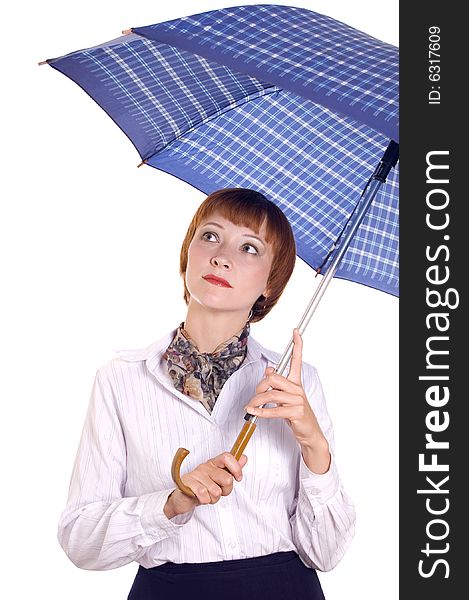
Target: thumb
pixel 243 459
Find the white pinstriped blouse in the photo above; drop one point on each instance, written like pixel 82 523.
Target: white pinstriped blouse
pixel 121 478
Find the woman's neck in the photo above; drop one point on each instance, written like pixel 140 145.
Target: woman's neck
pixel 209 329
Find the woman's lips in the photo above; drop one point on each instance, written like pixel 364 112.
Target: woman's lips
pixel 217 281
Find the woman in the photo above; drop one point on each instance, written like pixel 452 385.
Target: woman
pixel 254 527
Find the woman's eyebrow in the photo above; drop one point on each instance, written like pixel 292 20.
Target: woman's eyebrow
pixel 251 235
pixel 212 223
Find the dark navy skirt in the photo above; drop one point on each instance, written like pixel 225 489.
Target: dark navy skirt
pixel 278 576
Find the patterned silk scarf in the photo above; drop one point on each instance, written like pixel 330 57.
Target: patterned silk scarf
pixel 201 375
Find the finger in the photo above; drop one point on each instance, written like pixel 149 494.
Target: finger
pixel 241 462
pixel 243 459
pixel 296 358
pixel 199 487
pixel 205 488
pixel 268 371
pixel 224 477
pixel 277 382
pixel 275 397
pixel 226 459
pixel 223 480
pixel 284 412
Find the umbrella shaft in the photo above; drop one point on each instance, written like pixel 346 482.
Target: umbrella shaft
pixel 329 274
pixel 387 162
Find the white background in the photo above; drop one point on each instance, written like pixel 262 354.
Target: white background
pixel 89 264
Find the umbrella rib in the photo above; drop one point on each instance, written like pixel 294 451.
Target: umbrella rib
pixel 214 116
pixel 263 88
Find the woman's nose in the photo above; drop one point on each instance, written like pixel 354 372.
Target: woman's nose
pixel 222 262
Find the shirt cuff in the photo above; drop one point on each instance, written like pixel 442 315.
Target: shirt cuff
pixel 319 488
pixel 153 519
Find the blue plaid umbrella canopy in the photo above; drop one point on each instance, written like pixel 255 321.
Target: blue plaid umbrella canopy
pixel 280 99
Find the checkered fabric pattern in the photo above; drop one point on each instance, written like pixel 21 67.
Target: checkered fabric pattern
pixel 279 99
pixel 310 54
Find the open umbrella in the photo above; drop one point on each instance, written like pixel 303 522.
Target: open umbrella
pixel 289 102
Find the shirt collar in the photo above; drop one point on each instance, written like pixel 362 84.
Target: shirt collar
pixel 152 354
pixel 151 358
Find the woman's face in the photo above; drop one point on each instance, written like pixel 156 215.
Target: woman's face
pixel 228 265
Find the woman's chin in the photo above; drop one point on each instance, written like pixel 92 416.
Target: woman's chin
pixel 216 308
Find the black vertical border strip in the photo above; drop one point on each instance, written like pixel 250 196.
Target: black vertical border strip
pixel 425 128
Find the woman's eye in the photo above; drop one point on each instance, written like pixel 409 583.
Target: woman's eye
pixel 250 249
pixel 209 236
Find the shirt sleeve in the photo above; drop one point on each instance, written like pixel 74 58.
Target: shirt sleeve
pixel 323 516
pixel 101 529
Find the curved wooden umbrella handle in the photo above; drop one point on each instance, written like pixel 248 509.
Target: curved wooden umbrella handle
pixel 175 471
pixel 238 448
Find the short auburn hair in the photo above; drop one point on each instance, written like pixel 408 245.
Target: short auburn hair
pixel 243 206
